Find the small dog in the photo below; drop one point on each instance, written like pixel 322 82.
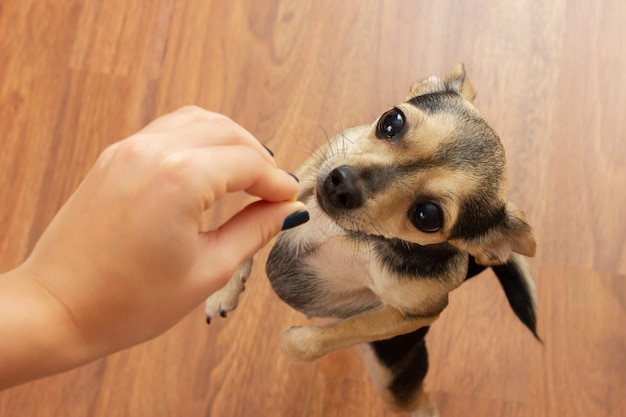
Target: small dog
pixel 403 211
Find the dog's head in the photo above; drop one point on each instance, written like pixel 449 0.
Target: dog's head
pixel 430 170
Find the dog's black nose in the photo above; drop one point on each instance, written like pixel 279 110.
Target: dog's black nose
pixel 342 190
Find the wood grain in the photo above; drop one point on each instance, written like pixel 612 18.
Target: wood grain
pixel 77 75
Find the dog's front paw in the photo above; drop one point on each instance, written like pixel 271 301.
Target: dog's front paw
pixel 427 409
pixel 301 344
pixel 227 298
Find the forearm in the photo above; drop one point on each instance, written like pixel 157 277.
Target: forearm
pixel 37 336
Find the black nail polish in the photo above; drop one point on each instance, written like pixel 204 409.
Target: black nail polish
pixel 268 150
pixel 296 219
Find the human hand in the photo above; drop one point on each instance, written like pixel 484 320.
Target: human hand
pixel 125 256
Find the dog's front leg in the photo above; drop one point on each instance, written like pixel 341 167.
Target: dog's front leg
pixel 226 298
pixel 304 344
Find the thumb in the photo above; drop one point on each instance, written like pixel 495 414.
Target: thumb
pixel 252 228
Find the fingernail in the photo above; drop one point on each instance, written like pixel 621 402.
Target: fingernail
pixel 268 150
pixel 294 177
pixel 295 219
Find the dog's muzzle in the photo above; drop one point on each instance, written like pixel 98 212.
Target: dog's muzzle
pixel 341 189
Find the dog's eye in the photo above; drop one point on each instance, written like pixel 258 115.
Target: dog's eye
pixel 427 217
pixel 390 123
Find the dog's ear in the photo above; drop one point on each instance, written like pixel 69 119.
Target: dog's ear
pixel 456 81
pixel 494 246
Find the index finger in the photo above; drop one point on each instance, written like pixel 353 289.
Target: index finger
pixel 194 127
pixel 215 171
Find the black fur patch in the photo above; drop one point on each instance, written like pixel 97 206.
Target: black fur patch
pixel 477 215
pixel 473 268
pixel 406 258
pixel 407 359
pixel 293 284
pixel 436 102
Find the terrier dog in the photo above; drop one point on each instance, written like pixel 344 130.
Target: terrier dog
pixel 403 211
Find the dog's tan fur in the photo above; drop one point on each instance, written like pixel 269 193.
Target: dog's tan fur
pixel 304 344
pixel 341 263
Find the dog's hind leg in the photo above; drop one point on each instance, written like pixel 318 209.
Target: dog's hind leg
pixel 398 367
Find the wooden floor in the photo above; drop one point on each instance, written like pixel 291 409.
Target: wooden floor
pixel 78 75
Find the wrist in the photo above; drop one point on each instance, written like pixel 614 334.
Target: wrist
pixel 38 332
